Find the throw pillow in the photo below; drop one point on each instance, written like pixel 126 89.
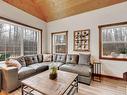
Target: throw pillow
pixel 84 59
pixel 54 57
pixel 13 62
pixel 21 60
pixel 47 57
pixel 35 59
pixel 40 58
pixel 29 60
pixel 61 58
pixel 72 59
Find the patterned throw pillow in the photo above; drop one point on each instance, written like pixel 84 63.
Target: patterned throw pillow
pixel 29 60
pixel 47 57
pixel 21 60
pixel 13 63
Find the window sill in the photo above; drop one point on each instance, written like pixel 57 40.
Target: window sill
pixel 116 59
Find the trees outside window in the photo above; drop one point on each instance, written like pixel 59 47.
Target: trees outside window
pixel 113 41
pixel 17 40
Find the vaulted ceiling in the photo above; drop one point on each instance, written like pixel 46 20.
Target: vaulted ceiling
pixel 49 10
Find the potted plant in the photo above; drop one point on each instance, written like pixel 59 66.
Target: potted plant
pixel 53 73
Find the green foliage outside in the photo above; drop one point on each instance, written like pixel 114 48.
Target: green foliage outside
pixel 123 51
pixel 3 56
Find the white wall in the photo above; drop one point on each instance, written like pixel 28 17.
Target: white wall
pixel 13 13
pixel 91 20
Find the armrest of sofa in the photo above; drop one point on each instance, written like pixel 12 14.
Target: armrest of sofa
pixel 9 78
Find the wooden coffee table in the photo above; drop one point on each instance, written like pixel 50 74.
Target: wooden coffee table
pixel 66 82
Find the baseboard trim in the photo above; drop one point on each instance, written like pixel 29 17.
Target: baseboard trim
pixel 112 77
pixel 108 76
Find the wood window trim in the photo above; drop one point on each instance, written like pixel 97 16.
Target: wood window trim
pixel 100 41
pixel 59 33
pixel 16 22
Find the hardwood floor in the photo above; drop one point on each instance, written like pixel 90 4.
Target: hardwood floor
pixel 106 87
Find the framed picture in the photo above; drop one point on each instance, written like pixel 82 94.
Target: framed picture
pixel 82 40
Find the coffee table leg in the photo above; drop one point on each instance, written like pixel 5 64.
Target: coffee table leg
pixel 22 89
pixel 77 83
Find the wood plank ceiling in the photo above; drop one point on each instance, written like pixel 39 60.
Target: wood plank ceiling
pixel 49 10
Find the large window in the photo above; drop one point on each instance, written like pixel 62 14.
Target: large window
pixel 17 40
pixel 113 41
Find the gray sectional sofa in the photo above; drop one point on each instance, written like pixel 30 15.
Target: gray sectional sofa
pixel 34 64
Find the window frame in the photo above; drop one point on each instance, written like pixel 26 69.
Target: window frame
pixel 66 32
pixel 25 25
pixel 100 41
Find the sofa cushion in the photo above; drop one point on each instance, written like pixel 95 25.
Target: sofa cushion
pixel 25 72
pixel 29 60
pixel 40 58
pixel 21 60
pixel 46 63
pixel 72 58
pixel 56 64
pixel 39 67
pixel 82 70
pixel 60 58
pixel 84 59
pixel 35 59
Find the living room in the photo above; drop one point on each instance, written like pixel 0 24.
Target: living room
pixel 66 19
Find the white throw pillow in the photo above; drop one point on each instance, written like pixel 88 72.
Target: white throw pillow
pixel 13 63
pixel 47 57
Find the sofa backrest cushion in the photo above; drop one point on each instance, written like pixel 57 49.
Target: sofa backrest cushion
pixel 84 59
pixel 35 59
pixel 72 59
pixel 21 60
pixel 60 58
pixel 40 58
pixel 29 60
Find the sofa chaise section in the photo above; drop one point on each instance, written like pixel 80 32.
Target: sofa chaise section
pixel 80 65
pixel 25 72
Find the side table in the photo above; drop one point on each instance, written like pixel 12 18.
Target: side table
pixel 125 76
pixel 97 71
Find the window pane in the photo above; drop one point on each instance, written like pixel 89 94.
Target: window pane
pixel 30 42
pixel 2 42
pixel 60 49
pixel 9 41
pixel 13 44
